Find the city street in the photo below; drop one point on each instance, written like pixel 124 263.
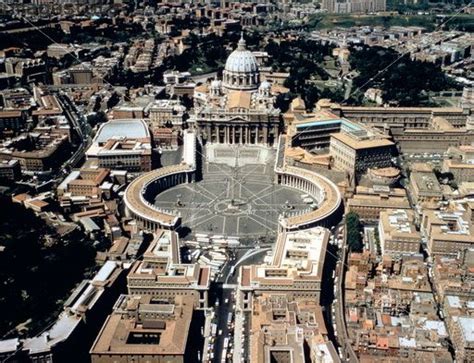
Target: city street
pixel 222 299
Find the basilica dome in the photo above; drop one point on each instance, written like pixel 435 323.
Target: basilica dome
pixel 241 69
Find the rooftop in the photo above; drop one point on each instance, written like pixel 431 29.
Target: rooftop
pixel 467 327
pixel 398 222
pixel 126 128
pixel 358 143
pixel 141 325
pixel 298 256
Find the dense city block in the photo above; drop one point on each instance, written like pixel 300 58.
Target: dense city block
pixel 273 181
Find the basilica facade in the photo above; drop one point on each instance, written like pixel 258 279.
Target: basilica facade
pixel 239 109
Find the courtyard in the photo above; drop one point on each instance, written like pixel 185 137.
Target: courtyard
pixel 237 195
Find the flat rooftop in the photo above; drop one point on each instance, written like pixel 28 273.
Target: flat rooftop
pixel 298 257
pixel 132 329
pixel 362 143
pixel 301 248
pixel 467 324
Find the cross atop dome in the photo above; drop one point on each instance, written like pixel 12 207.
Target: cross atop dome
pixel 241 45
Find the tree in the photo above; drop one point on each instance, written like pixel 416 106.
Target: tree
pixel 353 227
pixel 186 101
pixel 30 287
pixel 113 100
pixel 283 101
pixel 96 118
pixel 310 95
pixel 403 80
pixel 97 104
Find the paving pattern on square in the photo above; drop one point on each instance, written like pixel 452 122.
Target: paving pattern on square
pixel 233 200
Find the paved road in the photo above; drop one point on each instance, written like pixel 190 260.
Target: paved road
pixel 222 298
pixel 82 131
pixel 226 305
pixel 344 341
pixel 80 126
pixel 251 254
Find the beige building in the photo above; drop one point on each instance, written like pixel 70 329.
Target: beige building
pixel 449 231
pixel 296 268
pixel 84 182
pixel 84 187
pixel 462 171
pixel 166 137
pixel 166 113
pixel 58 51
pixel 128 111
pixel 36 151
pixel 24 67
pixel 454 275
pixel 369 202
pixel 463 338
pixel 415 129
pixel 354 6
pixel 459 311
pixel 281 327
pixel 146 329
pixel 356 152
pixel 397 232
pixel 81 74
pixel 161 273
pixel 460 163
pixel 122 144
pixel 425 187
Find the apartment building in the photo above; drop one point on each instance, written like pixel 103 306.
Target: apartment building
pixel 148 329
pixel 355 152
pixel 296 268
pixel 161 273
pixel 369 202
pixel 397 232
pixel 450 230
